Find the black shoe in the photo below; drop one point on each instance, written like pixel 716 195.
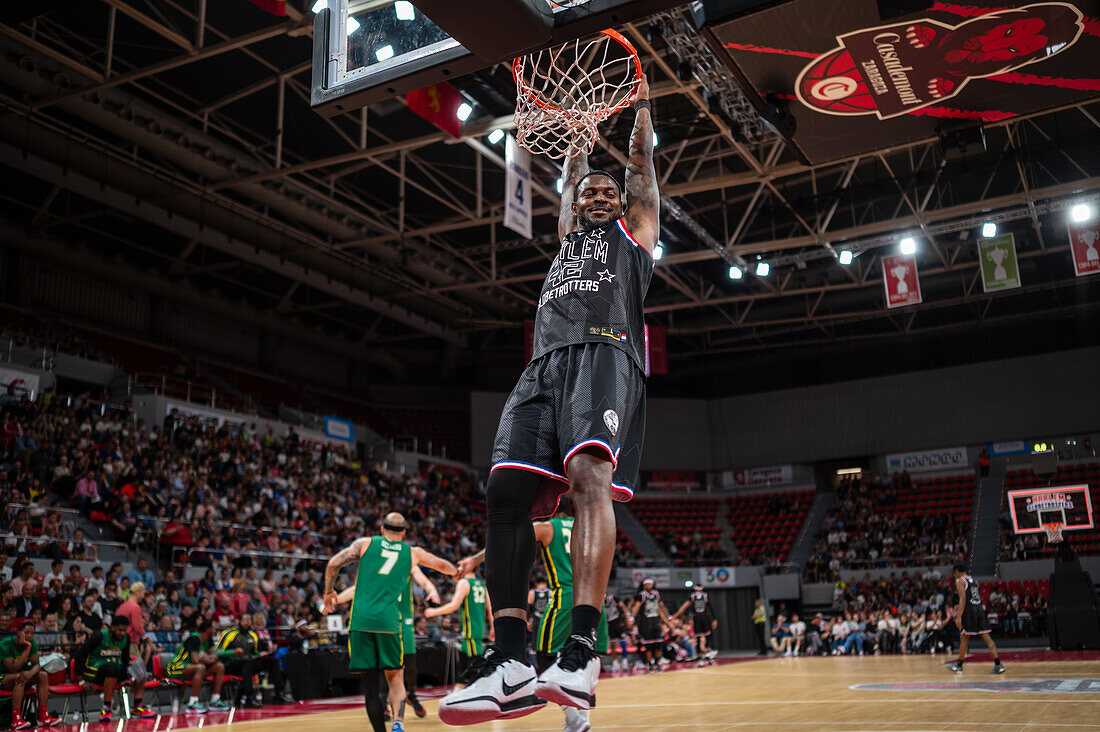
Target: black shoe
pixel 283 699
pixel 418 708
pixel 251 703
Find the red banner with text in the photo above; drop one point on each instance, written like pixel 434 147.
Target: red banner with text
pixel 899 277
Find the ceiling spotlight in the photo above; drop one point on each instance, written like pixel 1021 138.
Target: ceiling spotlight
pixel 762 269
pixel 658 252
pixel 405 10
pixel 1081 212
pixel 845 257
pixel 736 273
pixel 908 245
pixel 464 111
pixel 496 136
pixel 319 6
pixel 560 184
pixel 384 53
pixel 353 25
pixel 989 230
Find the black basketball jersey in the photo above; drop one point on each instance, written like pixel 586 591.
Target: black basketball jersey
pixel 540 602
pixel 700 602
pixel 973 597
pixel 593 293
pixel 651 604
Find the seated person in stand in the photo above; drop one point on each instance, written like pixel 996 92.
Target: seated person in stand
pixel 19 664
pixel 104 660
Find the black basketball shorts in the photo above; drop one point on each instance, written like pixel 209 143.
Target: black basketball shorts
pixel 701 624
pixel 585 396
pixel 974 621
pixel 650 630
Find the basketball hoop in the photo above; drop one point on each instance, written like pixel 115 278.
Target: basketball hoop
pixel 1054 532
pixel 564 93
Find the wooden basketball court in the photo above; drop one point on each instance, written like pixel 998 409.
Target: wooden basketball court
pixel 811 694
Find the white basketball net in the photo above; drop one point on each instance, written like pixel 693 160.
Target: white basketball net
pixel 564 93
pixel 1054 532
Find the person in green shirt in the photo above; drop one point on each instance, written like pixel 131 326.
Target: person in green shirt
pixel 477 613
pixel 19 661
pixel 385 564
pixel 104 660
pixel 194 661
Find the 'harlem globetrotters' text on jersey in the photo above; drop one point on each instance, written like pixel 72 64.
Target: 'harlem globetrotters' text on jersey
pixel 593 293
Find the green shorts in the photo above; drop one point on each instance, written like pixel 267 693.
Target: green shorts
pixel 371 651
pixel 557 624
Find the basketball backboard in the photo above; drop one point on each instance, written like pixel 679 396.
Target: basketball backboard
pixel 1069 505
pixel 365 51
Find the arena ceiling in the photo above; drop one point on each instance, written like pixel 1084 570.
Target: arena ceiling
pixel 175 137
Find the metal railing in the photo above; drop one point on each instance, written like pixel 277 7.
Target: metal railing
pixel 151 529
pixel 181 556
pixel 32 543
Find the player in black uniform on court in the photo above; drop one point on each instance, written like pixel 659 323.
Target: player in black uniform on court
pixel 703 622
pixel 574 422
pixel 651 618
pixel 970 617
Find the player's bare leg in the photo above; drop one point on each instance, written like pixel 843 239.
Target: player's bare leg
pixel 395 679
pixel 571 681
pixel 998 667
pixel 964 644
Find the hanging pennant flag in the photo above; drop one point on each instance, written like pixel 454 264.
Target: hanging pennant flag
pixel 517 188
pixel 997 257
pixel 899 277
pixel 275 7
pixel 438 104
pixel 1084 241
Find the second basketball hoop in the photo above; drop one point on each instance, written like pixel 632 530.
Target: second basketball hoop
pixel 564 93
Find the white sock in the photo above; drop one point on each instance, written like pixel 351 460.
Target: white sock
pixel 193 700
pixel 216 697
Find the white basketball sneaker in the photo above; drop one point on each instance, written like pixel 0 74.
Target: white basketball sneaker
pixel 498 688
pixel 576 720
pixel 571 680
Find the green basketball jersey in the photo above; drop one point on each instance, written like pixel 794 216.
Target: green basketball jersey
pixel 108 650
pixel 473 610
pixel 556 557
pixel 186 652
pixel 381 581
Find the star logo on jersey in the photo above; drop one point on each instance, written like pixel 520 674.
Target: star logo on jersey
pixel 606 276
pixel 611 419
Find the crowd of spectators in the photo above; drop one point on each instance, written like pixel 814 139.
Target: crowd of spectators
pixel 858 533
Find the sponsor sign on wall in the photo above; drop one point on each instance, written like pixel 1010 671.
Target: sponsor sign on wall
pixel 1016 447
pixel 22 381
pixel 339 429
pixel 947 458
pixel 735 480
pixel 717 576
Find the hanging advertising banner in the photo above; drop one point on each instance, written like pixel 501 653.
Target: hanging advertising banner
pixel 1084 240
pixel 339 429
pixel 899 277
pixel 517 188
pixel 735 480
pixel 947 458
pixel 997 257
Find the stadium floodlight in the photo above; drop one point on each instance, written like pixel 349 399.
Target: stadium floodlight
pixel 762 269
pixel 1081 212
pixel 989 230
pixel 386 52
pixel 908 245
pixel 405 10
pixel 560 185
pixel 658 252
pixel 845 256
pixel 736 273
pixel 496 136
pixel 353 25
pixel 464 111
pixel 319 6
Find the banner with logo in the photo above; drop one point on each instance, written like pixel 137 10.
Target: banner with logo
pixel 947 458
pixel 21 382
pixel 1084 244
pixel 854 81
pixel 1002 449
pixel 997 257
pixel 662 576
pixel 675 481
pixel 339 429
pixel 899 277
pixel 735 480
pixel 517 188
pixel 717 576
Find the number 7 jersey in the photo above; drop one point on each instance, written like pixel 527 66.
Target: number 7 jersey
pixel 382 579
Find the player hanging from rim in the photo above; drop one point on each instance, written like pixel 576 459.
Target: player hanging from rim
pixel 477 613
pixel 575 422
pixel 375 631
pixel 971 619
pixel 408 635
pixel 651 617
pixel 703 621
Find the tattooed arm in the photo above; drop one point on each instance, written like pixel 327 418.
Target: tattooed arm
pixel 347 555
pixel 643 199
pixel 574 169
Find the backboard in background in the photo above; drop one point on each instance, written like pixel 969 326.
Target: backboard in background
pixel 1070 505
pixel 365 51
